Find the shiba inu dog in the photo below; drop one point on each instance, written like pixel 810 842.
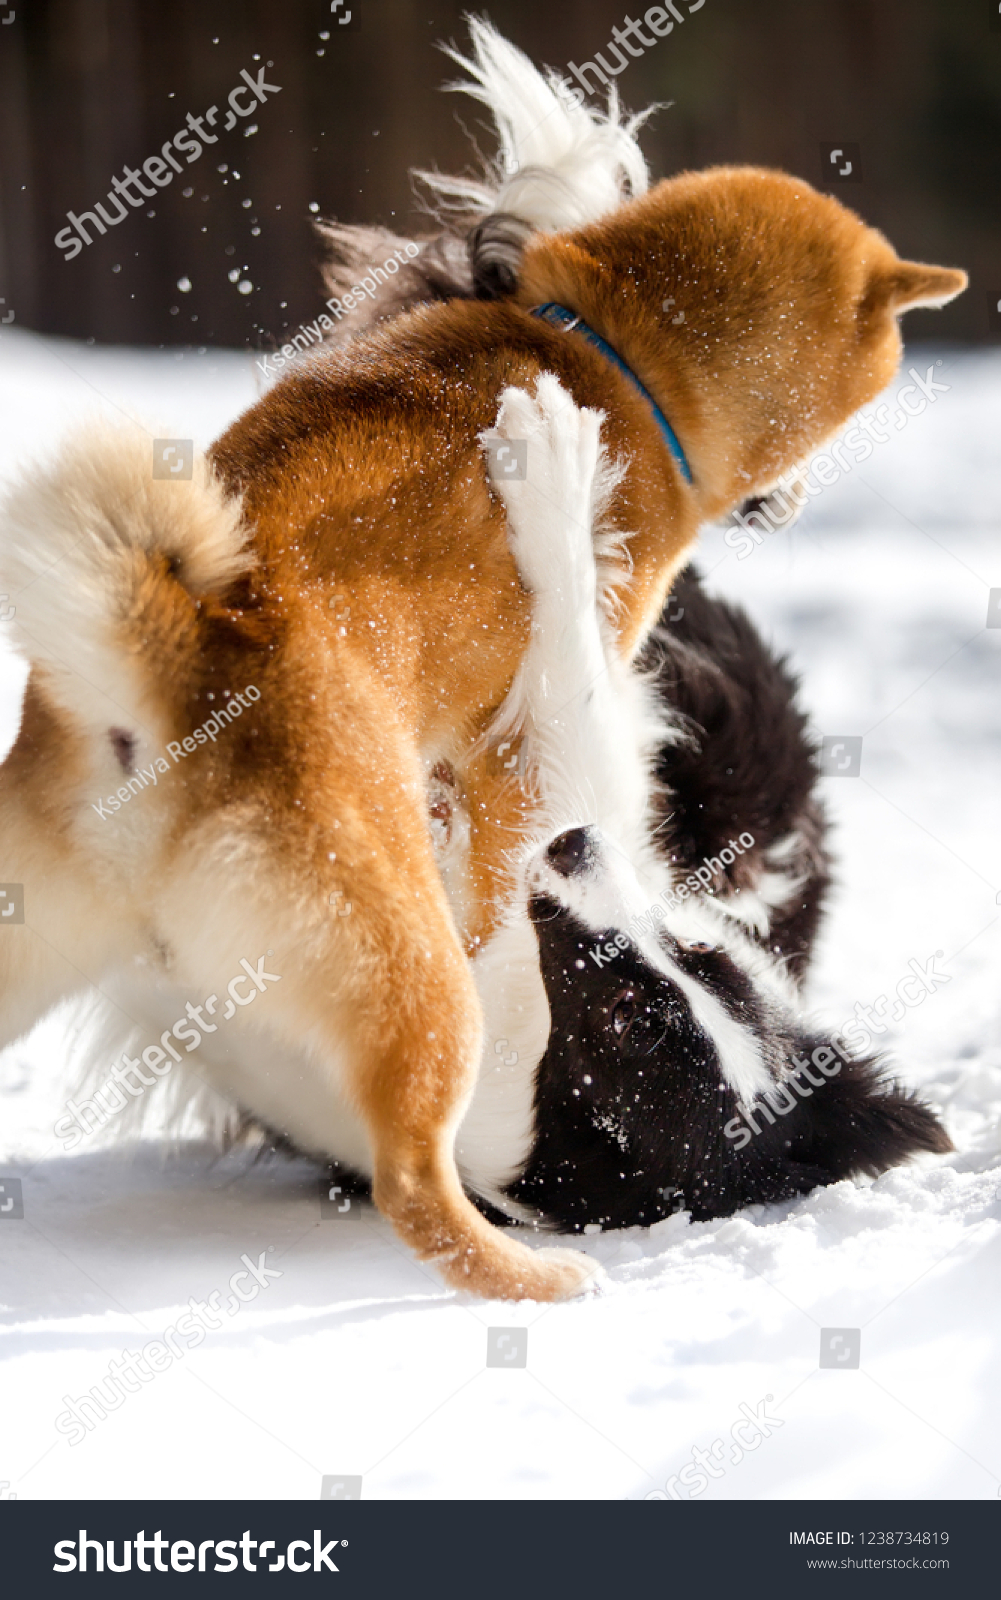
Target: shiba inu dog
pixel 343 551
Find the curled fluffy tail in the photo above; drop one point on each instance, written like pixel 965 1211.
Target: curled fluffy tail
pixel 104 566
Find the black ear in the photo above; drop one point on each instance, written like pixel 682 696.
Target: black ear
pixel 862 1121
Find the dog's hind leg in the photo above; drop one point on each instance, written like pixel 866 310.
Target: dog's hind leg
pixel 418 1062
pixel 376 998
pixel 415 1040
pixel 62 925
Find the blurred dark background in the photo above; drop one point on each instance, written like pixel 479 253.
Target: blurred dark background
pixel 90 86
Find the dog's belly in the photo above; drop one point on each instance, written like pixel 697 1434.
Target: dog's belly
pixel 299 1093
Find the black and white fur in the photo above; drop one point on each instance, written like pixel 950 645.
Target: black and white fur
pixel 746 764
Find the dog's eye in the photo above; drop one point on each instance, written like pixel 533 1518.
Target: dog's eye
pixel 698 947
pixel 622 1015
pixel 638 1025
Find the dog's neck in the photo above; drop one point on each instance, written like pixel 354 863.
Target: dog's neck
pixel 561 317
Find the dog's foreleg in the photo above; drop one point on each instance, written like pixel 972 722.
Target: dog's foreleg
pixel 584 719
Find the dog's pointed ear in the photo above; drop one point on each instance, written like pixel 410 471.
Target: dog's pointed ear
pixel 861 1120
pixel 903 285
pixel 856 1118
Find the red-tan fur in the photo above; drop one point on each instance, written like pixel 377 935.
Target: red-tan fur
pixel 379 613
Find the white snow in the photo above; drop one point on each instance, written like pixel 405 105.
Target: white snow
pixel 355 1360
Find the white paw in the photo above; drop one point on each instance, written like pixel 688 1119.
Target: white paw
pixel 543 457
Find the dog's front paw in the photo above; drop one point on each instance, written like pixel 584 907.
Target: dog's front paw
pixel 543 457
pixel 508 443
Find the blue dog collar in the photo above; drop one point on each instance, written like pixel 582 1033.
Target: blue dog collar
pixel 559 317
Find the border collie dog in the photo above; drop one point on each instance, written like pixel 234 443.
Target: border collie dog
pixel 674 921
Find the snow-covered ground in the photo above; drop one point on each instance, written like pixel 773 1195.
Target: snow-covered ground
pixel 354 1361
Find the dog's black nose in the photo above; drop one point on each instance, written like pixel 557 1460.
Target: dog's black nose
pixel 571 852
